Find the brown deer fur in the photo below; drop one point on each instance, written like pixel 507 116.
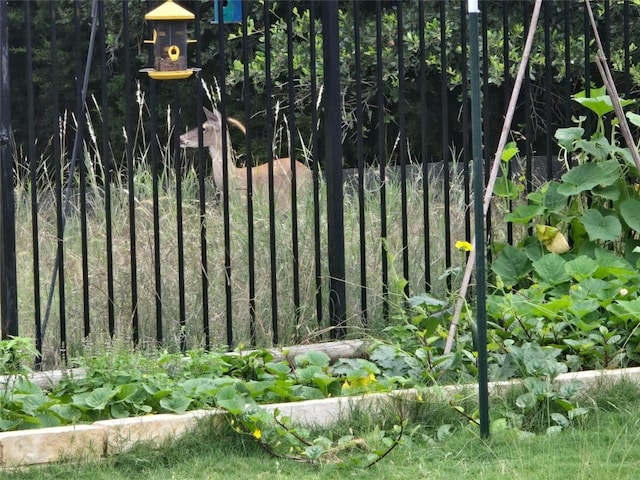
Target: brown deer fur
pixel 237 177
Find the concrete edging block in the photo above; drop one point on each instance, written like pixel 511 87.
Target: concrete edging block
pixel 46 445
pixel 123 434
pixel 326 412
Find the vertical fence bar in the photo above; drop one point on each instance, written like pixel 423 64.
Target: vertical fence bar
pixel 528 124
pixel 33 176
pixel 292 157
pixel 444 97
pixel 8 279
pixel 270 135
pixel 128 132
pixel 606 38
pixel 567 62
pixel 316 164
pixel 466 156
pixel 587 58
pixel 57 166
pixel 202 198
pixel 382 160
pixel 107 171
pixel 82 170
pixel 548 79
pixel 507 92
pixel 627 50
pixel 182 315
pixel 249 155
pixel 486 119
pixel 361 172
pixel 333 127
pixel 402 147
pixel 424 128
pixel 155 174
pixel 226 154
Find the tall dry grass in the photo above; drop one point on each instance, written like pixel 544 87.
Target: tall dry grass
pixel 308 328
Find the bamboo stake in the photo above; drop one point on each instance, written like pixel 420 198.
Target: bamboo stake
pixel 495 170
pixel 605 73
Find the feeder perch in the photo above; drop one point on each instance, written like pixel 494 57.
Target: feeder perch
pixel 231 11
pixel 169 42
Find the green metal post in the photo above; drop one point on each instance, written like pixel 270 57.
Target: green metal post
pixel 478 195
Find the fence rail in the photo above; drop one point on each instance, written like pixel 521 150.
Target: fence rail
pixel 120 234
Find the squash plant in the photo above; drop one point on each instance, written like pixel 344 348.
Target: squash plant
pixel 572 281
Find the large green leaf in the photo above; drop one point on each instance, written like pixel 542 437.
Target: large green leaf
pixel 552 199
pixel 633 118
pixel 625 309
pixel 319 359
pixel 100 397
pixel 566 136
pixel 598 101
pixel 306 374
pixel 550 269
pixel 524 214
pixel 426 300
pixel 610 192
pixel 176 403
pixel 612 264
pixel 588 175
pixel 632 256
pixel 505 188
pixel 601 227
pixel 581 308
pixel 512 265
pixel 66 412
pixel 307 393
pixel 630 211
pixel 598 149
pixel 581 267
pixel 551 309
pixel 229 399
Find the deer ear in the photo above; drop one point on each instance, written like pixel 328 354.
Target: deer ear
pixel 212 116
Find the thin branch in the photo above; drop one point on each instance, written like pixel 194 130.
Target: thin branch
pixel 395 443
pixel 605 73
pixel 292 432
pixel 465 415
pixel 267 448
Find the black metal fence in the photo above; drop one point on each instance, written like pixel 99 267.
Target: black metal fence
pixel 119 233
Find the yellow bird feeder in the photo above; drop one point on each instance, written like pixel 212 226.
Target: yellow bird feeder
pixel 169 42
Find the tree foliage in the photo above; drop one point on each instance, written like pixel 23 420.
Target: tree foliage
pixel 439 70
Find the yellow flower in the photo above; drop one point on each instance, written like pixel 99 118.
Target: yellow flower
pixel 464 246
pixel 257 434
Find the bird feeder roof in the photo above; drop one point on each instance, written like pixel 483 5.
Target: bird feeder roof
pixel 169 11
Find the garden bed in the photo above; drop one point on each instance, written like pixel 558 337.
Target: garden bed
pixel 108 437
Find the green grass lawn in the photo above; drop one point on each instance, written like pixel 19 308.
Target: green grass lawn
pixel 602 446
